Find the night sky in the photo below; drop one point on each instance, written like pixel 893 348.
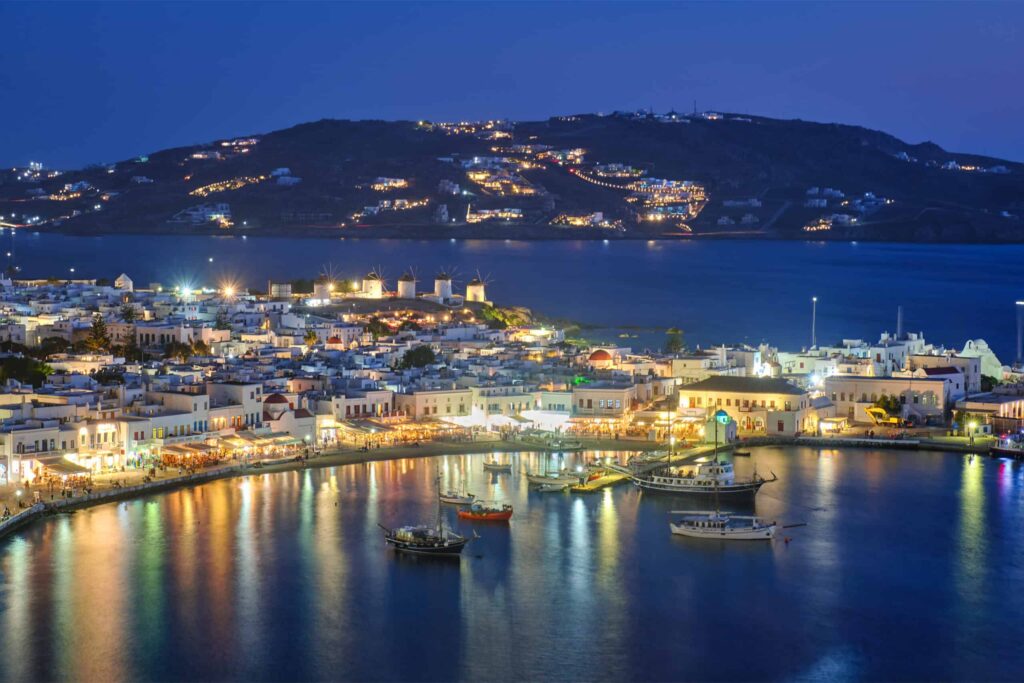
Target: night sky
pixel 87 82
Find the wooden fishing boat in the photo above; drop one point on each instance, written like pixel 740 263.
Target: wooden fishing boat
pixel 482 512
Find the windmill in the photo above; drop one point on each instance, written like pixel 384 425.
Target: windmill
pixel 407 284
pixel 476 288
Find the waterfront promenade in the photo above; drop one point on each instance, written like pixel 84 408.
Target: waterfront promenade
pixel 113 486
pixel 109 487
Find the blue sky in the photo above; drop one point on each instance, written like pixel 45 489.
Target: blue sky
pixel 86 82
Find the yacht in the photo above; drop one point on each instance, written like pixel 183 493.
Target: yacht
pixel 707 478
pixel 495 466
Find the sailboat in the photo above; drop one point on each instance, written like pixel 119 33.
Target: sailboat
pixel 459 497
pixel 427 540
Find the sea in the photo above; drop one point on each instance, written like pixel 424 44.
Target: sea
pixel 623 292
pixel 894 566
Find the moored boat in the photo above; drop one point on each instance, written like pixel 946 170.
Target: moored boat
pixel 1008 447
pixel 426 540
pixel 495 466
pixel 723 526
pixel 565 477
pixel 550 488
pixel 458 498
pixel 707 479
pixel 482 512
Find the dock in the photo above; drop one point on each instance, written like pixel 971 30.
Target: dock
pixel 610 479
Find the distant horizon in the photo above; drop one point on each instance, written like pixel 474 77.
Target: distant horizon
pixel 93 82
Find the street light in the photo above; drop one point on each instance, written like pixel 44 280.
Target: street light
pixel 814 321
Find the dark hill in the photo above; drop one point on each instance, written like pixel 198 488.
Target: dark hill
pixel 757 174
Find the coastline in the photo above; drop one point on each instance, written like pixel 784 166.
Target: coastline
pixel 432 449
pixel 330 459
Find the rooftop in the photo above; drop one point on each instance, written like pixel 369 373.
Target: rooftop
pixel 744 385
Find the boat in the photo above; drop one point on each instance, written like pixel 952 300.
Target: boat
pixel 550 488
pixel 457 498
pixel 436 540
pixel 495 466
pixel 1008 447
pixel 483 512
pixel 708 478
pixel 722 525
pixel 741 454
pixel 564 478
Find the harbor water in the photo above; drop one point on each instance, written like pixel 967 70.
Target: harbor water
pixel 910 567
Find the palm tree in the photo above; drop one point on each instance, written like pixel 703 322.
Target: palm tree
pixel 310 338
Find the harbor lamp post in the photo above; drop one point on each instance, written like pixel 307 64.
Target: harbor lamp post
pixel 971 428
pixel 814 321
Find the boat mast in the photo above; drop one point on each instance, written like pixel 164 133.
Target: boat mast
pixel 440 518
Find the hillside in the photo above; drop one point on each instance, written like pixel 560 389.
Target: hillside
pixel 619 176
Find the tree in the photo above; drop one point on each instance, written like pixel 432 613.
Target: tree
pixel 200 348
pixel 98 339
pixel 674 340
pixel 890 404
pixel 51 345
pixel 988 382
pixel 310 338
pixel 25 370
pixel 418 357
pixel 500 318
pixel 128 313
pixel 223 322
pixel 109 376
pixel 409 325
pixel 132 351
pixel 378 328
pixel 178 350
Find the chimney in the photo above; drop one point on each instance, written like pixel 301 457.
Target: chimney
pixel 899 322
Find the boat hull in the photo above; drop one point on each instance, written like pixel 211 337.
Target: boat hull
pixel 458 500
pixel 732 490
pixel 542 479
pixel 449 549
pixel 1007 452
pixel 764 533
pixel 497 516
pixel 497 468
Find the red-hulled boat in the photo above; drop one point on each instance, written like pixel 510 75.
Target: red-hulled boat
pixel 482 512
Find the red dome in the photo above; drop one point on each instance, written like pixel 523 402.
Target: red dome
pixel 600 355
pixel 334 340
pixel 275 398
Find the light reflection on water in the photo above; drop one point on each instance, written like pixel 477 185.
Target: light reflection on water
pixel 285 576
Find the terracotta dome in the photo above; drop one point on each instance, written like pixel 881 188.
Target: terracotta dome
pixel 275 398
pixel 333 340
pixel 600 355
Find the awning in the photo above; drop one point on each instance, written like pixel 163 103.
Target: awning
pixel 65 466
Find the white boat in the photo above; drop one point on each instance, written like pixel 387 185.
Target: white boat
pixel 551 488
pixel 458 498
pixel 708 478
pixel 563 478
pixel 495 466
pixel 722 525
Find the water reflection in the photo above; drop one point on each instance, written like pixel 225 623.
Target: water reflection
pixel 285 576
